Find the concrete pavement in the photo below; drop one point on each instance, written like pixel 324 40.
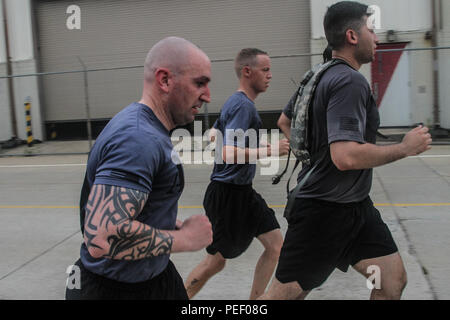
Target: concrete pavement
pixel 40 238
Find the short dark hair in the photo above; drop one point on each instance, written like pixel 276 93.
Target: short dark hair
pixel 340 17
pixel 246 57
pixel 327 54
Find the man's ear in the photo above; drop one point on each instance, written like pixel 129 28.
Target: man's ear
pixel 246 71
pixel 162 78
pixel 352 37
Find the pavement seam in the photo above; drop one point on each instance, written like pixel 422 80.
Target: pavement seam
pixel 435 171
pixel 411 249
pixel 39 255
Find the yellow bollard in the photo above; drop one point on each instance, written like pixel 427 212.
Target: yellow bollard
pixel 28 123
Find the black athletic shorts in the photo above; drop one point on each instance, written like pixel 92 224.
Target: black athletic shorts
pixel 168 285
pixel 238 214
pixel 322 236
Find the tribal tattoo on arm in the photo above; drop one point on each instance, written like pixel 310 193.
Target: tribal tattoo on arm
pixel 111 229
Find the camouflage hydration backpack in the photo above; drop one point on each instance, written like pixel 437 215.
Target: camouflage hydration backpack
pixel 300 141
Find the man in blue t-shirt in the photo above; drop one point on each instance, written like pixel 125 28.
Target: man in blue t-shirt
pixel 334 223
pixel 238 214
pixel 129 199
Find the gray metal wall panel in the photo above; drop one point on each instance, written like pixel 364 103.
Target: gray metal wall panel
pixel 119 33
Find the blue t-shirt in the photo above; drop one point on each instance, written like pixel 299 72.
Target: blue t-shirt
pixel 239 125
pixel 135 151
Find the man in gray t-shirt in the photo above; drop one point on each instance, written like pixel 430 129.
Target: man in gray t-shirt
pixel 334 224
pixel 343 109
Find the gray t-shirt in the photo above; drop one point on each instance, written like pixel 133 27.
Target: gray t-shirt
pixel 343 109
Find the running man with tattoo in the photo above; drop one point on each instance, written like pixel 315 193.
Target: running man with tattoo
pixel 129 199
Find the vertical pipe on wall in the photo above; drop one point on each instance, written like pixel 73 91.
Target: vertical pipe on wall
pixel 436 111
pixel 87 106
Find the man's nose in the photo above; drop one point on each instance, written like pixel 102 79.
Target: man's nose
pixel 206 96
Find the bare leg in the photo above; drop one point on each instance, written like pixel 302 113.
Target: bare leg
pixel 272 242
pixel 392 276
pixel 284 291
pixel 210 265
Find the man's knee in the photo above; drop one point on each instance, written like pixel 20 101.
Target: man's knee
pixel 401 281
pixel 220 264
pixel 273 247
pixel 393 288
pixel 216 264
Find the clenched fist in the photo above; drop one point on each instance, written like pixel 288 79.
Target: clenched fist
pixel 280 148
pixel 417 141
pixel 195 233
pixel 283 147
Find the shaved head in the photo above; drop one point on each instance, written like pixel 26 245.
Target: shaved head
pixel 172 53
pixel 176 78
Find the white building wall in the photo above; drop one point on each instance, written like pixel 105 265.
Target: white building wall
pixel 20 34
pixel 5 114
pixel 410 19
pixel 444 63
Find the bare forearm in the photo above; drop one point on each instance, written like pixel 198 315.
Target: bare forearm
pixel 244 155
pixel 355 156
pixel 349 155
pixel 372 156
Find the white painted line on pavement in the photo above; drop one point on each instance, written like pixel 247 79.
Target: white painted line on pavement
pixel 432 156
pixel 43 165
pixel 193 162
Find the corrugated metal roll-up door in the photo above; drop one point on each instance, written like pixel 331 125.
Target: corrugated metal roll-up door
pixel 119 33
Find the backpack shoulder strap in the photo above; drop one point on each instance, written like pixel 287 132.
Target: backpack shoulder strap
pixel 317 71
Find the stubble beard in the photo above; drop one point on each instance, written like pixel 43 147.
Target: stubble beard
pixel 364 56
